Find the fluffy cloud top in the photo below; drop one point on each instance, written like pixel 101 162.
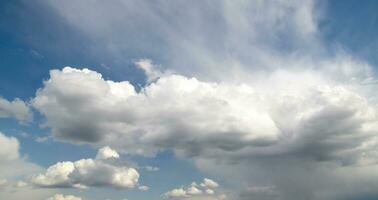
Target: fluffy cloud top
pixel 88 172
pixel 197 118
pixel 9 148
pixel 170 112
pixel 62 197
pixel 289 117
pixel 204 190
pixel 11 163
pixel 15 109
pixel 208 183
pixel 106 152
pixel 14 167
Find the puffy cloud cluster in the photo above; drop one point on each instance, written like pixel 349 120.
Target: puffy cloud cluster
pixel 62 197
pixel 204 190
pixel 290 119
pixel 102 171
pixel 209 184
pixel 207 119
pixel 174 111
pixel 105 153
pixel 15 109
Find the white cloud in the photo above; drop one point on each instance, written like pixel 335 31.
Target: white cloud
pixel 11 163
pixel 13 167
pixel 208 111
pixel 84 173
pixel 143 188
pixel 207 119
pixel 62 197
pixel 193 191
pixel 176 193
pixel 151 168
pixel 9 148
pixel 299 115
pixel 15 109
pixel 106 152
pixel 208 183
pixel 152 72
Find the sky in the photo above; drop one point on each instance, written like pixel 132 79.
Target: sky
pixel 188 100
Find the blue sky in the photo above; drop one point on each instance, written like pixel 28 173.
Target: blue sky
pixel 221 90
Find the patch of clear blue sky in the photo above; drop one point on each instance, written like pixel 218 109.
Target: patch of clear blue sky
pixel 353 26
pixel 33 40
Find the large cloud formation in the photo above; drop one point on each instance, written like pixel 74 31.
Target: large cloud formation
pixel 258 94
pixel 319 121
pixel 88 172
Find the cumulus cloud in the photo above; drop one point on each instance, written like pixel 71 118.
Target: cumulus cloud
pixel 106 152
pixel 11 163
pixel 197 118
pixel 204 190
pixel 62 197
pixel 143 188
pixel 13 167
pixel 210 112
pixel 9 150
pixel 152 168
pixel 289 117
pixel 84 173
pixel 208 183
pixel 15 109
